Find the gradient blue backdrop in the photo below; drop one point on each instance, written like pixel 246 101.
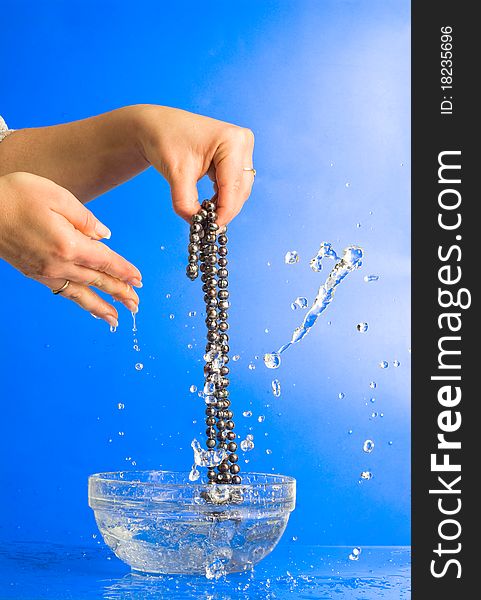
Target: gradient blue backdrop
pixel 325 87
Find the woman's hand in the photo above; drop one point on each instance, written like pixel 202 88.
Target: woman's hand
pixel 48 235
pixel 184 147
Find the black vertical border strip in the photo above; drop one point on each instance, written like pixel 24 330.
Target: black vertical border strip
pixel 433 133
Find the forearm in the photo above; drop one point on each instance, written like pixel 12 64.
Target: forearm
pixel 87 157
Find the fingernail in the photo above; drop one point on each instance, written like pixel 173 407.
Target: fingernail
pixel 132 306
pixel 102 231
pixel 112 321
pixel 136 282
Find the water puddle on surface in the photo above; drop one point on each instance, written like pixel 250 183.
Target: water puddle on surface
pixel 350 261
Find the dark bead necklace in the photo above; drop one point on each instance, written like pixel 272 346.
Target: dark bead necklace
pixel 209 247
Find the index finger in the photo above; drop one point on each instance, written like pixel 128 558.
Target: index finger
pixel 96 255
pixel 234 182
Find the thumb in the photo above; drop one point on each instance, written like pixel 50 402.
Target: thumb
pixel 185 197
pixel 84 220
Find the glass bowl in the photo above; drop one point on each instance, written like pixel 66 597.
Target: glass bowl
pixel 160 522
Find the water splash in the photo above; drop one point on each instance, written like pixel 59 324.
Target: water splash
pixel 207 458
pixel 350 261
pixel 325 251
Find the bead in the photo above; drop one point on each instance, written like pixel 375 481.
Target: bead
pixel 203 213
pixel 210 432
pixel 208 205
pixel 223 467
pixel 193 258
pixel 219 477
pixel 222 446
pixel 212 336
pixel 211 474
pixel 232 447
pixel 210 237
pixel 212 302
pixel 194 248
pixel 231 436
pixel 224 370
pixel 234 469
pixel 211 292
pixel 194 238
pixel 221 425
pixel 223 272
pixel 210 411
pixel 229 415
pixel 226 477
pixel 195 227
pixel 229 424
pixel 233 458
pixel 225 348
pixel 223 294
pixel 211 259
pixel 210 421
pixel 210 443
pixel 223 326
pixel 221 436
pixel 224 337
pixel 236 480
pixel 223 284
pixel 223 251
pixel 222 239
pixel 197 218
pixel 222 262
pixel 212 227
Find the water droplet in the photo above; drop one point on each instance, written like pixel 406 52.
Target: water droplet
pixel 261 418
pixel 358 225
pixel 396 363
pixel 194 473
pixel 373 385
pixel 247 413
pixel 268 451
pixel 348 184
pixel 121 406
pixel 276 388
pixel 235 358
pixel 162 247
pixel 294 538
pixel 250 436
pixel 121 433
pixel 366 475
pixel 171 316
pixel 113 329
pixel 341 395
pixel 368 446
pixel 190 346
pixel 266 330
pixel 372 400
pixel 273 360
pixel 384 364
pixel 246 445
pixel 167 296
pixel 136 347
pixel 192 313
pixel 390 443
pixel 193 389
pixel 349 431
pixel 252 366
pixel 362 327
pixel 291 257
pixel 356 552
pixel 374 415
pixel 369 278
pixel 139 366
pixel 268 263
pixel 299 302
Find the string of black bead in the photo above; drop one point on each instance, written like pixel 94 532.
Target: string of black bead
pixel 208 246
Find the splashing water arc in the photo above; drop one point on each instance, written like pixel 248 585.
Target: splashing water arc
pixel 350 261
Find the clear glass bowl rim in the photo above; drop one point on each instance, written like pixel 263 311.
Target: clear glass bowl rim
pixel 107 477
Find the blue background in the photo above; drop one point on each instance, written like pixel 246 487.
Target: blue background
pixel 325 87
